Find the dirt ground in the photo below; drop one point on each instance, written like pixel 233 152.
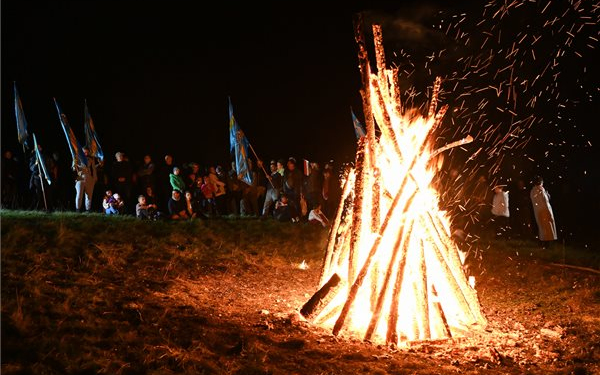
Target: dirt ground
pixel 181 305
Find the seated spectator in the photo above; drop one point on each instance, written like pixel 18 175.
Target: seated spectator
pixel 119 203
pixel 316 216
pixel 177 206
pixel 144 210
pixel 112 203
pixel 283 209
pixel 151 197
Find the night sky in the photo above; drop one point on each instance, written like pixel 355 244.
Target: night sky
pixel 521 77
pixel 157 75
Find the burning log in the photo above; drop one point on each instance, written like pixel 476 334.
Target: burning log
pixel 322 297
pixel 336 231
pixel 392 271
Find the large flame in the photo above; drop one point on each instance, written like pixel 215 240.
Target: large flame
pixel 400 277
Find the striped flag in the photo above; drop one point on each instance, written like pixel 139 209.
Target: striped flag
pixel 40 160
pixel 359 129
pixel 91 138
pixel 76 150
pixel 239 146
pixel 21 121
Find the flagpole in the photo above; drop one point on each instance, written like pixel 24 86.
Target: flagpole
pixel 39 162
pixel 261 165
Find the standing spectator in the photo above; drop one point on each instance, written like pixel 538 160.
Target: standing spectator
pixel 293 187
pixel 249 204
pixel 122 177
pixel 234 188
pixel 274 187
pixel 261 186
pixel 542 211
pixel 219 190
pixel 163 182
pixel 10 170
pixel 176 180
pixel 222 194
pixel 146 174
pixel 209 206
pixel 61 184
pixel 500 211
pixel 192 175
pixel 86 177
pixel 42 195
pixel 100 186
pixel 314 185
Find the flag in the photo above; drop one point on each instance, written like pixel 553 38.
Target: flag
pixel 21 122
pixel 358 127
pixel 239 146
pixel 40 160
pixel 91 138
pixel 76 151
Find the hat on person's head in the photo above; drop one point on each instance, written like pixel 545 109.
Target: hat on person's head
pixel 273 162
pixel 292 159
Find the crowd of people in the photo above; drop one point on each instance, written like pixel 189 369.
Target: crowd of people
pixel 282 190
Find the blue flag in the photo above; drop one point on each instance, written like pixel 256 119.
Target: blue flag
pixel 40 160
pixel 239 146
pixel 76 150
pixel 21 122
pixel 91 138
pixel 359 129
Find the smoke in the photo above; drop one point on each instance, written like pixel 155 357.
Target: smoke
pixel 410 26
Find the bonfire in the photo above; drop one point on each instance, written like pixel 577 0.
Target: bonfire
pixel 392 272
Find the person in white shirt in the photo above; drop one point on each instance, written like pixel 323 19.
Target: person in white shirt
pixel 85 181
pixel 544 217
pixel 316 216
pixel 500 211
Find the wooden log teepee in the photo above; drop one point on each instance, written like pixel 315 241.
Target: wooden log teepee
pixel 391 272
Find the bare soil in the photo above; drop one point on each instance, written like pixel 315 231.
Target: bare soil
pixel 223 298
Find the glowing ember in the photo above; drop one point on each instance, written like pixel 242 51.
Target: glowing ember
pixel 392 272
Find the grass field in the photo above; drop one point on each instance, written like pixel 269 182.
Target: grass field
pixel 91 294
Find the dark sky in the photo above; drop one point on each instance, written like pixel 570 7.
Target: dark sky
pixel 156 76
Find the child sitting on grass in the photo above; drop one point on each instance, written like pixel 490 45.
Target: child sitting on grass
pixel 282 209
pixel 112 203
pixel 144 210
